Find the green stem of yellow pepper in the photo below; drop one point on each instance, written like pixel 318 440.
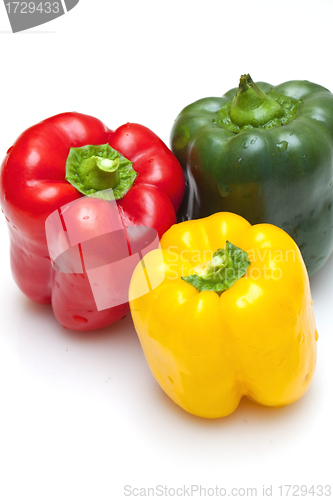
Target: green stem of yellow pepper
pixel 226 267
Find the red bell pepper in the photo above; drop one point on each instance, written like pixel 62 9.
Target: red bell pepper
pixel 33 185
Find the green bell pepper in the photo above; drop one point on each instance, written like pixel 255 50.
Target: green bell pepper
pixel 265 153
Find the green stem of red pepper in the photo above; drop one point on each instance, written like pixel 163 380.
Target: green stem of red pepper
pixel 99 173
pixel 91 169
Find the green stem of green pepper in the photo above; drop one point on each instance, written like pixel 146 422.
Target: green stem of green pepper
pixel 251 106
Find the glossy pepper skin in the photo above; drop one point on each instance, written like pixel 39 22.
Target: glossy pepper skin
pixel 33 186
pixel 256 339
pixel 266 161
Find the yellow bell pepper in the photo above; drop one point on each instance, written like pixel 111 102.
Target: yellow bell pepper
pixel 219 326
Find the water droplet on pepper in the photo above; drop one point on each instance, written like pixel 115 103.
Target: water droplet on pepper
pixel 80 319
pixel 224 190
pixel 283 145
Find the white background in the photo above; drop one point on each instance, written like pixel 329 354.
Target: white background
pixel 80 414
